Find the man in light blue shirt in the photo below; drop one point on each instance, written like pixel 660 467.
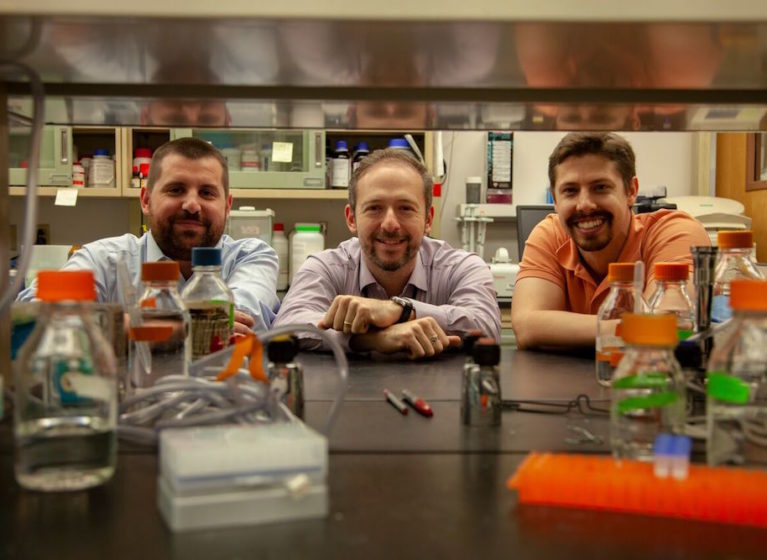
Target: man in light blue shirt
pixel 186 203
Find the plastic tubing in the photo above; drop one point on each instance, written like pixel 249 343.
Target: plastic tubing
pixel 33 160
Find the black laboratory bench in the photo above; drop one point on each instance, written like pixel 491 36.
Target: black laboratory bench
pixel 399 486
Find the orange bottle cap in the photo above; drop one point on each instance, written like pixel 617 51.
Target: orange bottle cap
pixel 620 272
pixel 160 271
pixel 61 285
pixel 649 330
pixel 735 239
pixel 671 271
pixel 748 295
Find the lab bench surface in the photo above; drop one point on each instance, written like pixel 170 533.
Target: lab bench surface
pixel 398 486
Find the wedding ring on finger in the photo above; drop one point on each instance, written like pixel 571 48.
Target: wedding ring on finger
pixel 434 338
pixel 347 324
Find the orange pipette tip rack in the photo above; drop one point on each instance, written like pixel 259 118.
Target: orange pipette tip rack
pixel 718 494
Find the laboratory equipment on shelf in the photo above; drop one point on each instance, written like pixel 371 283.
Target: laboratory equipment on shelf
pixel 65 408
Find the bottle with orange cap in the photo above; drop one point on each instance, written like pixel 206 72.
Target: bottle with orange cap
pixel 734 262
pixel 671 296
pixel 620 299
pixel 164 328
pixel 736 386
pixel 648 389
pixel 65 411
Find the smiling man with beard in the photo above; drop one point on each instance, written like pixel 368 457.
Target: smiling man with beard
pixel 391 289
pixel 562 278
pixel 186 203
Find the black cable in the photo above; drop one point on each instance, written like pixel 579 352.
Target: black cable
pixel 581 403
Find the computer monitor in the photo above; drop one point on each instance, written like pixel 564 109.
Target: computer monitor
pixel 528 217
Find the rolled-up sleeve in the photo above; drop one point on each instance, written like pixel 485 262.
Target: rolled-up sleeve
pixel 470 299
pixel 311 293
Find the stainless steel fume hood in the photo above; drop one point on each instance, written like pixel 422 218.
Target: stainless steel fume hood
pixel 435 65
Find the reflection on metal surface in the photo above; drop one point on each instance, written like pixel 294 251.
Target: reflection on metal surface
pixel 387 74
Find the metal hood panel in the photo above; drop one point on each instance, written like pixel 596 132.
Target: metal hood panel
pixel 383 74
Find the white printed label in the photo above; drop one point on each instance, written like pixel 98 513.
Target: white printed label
pixel 282 152
pixel 66 197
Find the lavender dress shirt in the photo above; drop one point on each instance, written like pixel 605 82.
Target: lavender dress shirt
pixel 451 285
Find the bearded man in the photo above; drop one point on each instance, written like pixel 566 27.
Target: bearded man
pixel 186 203
pixel 392 289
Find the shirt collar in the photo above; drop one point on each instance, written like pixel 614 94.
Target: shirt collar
pixel 417 278
pixel 153 251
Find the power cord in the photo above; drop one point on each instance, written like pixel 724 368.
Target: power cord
pixel 581 403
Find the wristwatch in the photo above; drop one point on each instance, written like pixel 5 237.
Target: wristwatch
pixel 407 308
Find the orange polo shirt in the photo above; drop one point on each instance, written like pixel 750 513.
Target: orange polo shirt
pixel 550 254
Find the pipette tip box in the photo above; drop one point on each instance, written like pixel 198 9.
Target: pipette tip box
pixel 223 476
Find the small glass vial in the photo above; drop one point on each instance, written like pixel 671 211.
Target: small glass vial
pixel 210 303
pixel 620 300
pixel 671 296
pixel 481 387
pixel 65 411
pixel 285 375
pixel 736 387
pixel 648 388
pixel 734 262
pixel 160 342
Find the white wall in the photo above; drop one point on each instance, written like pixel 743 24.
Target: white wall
pixel 662 159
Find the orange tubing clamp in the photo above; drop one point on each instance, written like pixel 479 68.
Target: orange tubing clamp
pixel 718 494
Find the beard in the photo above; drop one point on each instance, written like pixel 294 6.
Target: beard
pixel 178 245
pixel 591 243
pixel 390 265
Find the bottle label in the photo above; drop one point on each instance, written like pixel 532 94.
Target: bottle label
pixel 68 382
pixel 341 170
pixel 212 325
pixel 720 308
pixel 656 400
pixel 727 388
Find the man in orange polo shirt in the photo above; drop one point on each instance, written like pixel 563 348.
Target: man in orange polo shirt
pixel 562 277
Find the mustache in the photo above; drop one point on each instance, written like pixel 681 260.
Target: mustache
pixel 189 217
pixel 582 215
pixel 391 236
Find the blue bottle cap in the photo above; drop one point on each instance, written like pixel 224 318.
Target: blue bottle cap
pixel 342 145
pixel 101 152
pixel 362 147
pixel 206 256
pixel 399 143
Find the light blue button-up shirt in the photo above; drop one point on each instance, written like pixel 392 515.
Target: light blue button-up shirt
pixel 248 266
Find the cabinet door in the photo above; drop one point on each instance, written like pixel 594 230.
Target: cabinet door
pixel 55 167
pixel 268 159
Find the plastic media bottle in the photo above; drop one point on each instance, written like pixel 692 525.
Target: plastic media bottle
pixel 619 300
pixel 648 388
pixel 159 331
pixel 734 262
pixel 78 175
pixel 737 382
pixel 280 244
pixel 671 296
pixel 341 166
pixel 481 387
pixel 66 391
pixel 210 303
pixel 142 156
pixel 102 170
pixel 361 150
pixel 286 375
pixel 306 240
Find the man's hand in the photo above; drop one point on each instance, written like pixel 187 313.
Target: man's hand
pixel 243 323
pixel 356 315
pixel 420 338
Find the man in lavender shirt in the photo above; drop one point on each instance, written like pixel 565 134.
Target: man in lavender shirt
pixel 391 289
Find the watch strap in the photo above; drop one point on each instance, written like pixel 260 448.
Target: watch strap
pixel 407 308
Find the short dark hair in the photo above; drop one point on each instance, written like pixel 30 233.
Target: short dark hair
pixel 396 156
pixel 190 148
pixel 605 144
